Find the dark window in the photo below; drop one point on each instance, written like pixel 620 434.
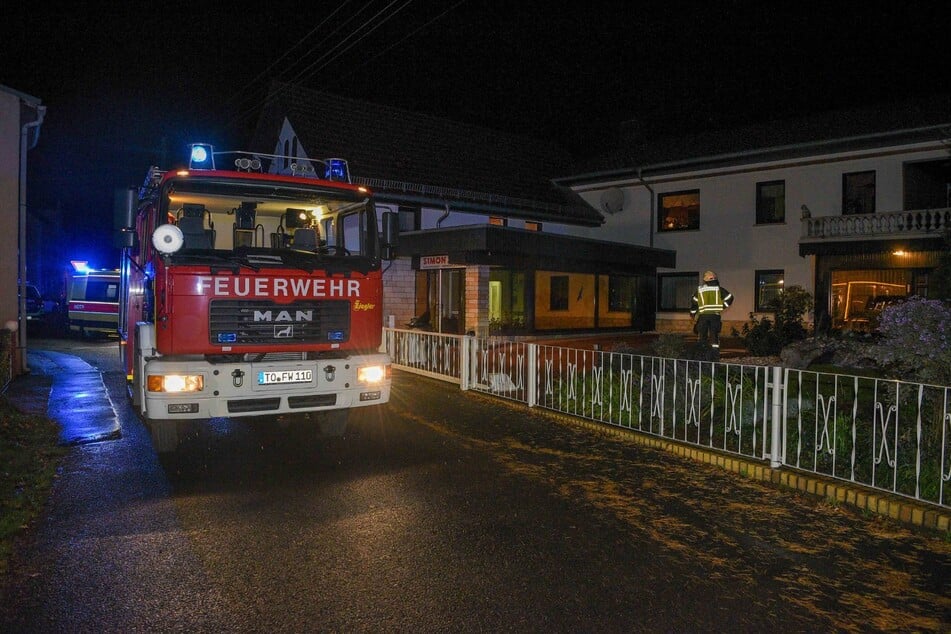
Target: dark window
pixel 102 290
pixel 409 219
pixel 769 286
pixel 559 293
pixel 675 290
pixel 620 293
pixel 678 211
pixel 770 202
pixel 858 193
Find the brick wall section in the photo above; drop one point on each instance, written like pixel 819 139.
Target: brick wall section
pixel 399 292
pixel 477 300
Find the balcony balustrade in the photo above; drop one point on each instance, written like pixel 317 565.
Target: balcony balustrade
pixel 920 223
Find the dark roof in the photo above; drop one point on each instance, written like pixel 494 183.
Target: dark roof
pixel 835 131
pixel 522 249
pixel 419 158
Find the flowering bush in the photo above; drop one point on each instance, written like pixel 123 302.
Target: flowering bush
pixel 916 340
pixel 764 336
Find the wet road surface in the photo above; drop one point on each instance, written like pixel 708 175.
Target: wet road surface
pixel 449 511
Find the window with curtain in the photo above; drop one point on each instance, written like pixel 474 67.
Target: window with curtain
pixel 678 211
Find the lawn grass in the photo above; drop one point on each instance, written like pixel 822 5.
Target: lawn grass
pixel 29 456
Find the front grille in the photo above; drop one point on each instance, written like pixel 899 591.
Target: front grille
pixel 312 400
pixel 254 405
pixel 260 322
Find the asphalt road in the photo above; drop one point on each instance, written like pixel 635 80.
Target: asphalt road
pixel 449 511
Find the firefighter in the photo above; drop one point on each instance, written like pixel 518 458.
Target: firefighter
pixel 707 304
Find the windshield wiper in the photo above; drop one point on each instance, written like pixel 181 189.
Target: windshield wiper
pixel 216 261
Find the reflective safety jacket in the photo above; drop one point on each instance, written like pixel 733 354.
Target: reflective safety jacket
pixel 710 299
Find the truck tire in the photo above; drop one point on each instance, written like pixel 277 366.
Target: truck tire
pixel 333 424
pixel 164 435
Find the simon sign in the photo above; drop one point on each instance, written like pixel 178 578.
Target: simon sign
pixel 433 261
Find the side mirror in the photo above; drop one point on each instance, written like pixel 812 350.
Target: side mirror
pixel 391 234
pixel 123 219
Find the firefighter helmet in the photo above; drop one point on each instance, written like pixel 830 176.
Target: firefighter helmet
pixel 709 276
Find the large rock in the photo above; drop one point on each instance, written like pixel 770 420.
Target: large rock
pixel 839 352
pixel 801 354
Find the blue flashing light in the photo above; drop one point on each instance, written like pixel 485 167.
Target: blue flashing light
pixel 227 337
pixel 202 157
pixel 80 266
pixel 335 335
pixel 337 170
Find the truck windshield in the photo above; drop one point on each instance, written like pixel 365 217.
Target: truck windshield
pixel 222 216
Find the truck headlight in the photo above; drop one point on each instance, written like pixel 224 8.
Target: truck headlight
pixel 372 374
pixel 175 383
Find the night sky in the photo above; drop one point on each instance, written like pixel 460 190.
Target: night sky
pixel 127 86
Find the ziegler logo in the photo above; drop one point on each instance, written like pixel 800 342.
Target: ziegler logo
pixel 358 305
pixel 284 332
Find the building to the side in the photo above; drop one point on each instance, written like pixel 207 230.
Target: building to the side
pixel 852 206
pixel 21 117
pixel 488 244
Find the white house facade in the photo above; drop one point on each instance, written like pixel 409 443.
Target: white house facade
pixel 855 220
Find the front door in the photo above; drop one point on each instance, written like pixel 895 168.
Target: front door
pixel 446 299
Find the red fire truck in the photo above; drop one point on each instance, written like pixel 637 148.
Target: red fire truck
pixel 252 291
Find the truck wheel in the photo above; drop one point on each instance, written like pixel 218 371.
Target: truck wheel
pixel 164 435
pixel 333 424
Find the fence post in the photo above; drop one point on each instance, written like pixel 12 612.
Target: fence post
pixel 464 351
pixel 473 343
pixel 776 419
pixel 531 374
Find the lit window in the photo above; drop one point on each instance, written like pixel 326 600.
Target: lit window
pixel 533 226
pixel 498 221
pixel 678 211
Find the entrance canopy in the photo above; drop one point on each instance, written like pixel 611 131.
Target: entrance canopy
pixel 521 249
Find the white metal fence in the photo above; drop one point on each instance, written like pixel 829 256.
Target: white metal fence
pixel 894 436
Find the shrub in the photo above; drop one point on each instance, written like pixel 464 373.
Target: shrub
pixel 915 340
pixel 765 336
